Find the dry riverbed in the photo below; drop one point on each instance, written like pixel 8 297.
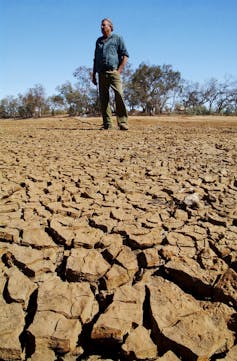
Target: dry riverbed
pixel 118 245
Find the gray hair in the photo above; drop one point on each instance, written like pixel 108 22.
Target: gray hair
pixel 109 21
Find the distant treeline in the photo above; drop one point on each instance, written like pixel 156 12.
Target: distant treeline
pixel 148 90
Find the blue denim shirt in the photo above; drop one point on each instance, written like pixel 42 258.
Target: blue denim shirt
pixel 109 53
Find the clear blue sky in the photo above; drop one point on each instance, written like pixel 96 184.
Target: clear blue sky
pixel 44 41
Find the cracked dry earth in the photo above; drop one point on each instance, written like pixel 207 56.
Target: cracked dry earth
pixel 118 245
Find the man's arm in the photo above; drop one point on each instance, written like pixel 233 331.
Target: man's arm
pixel 122 64
pixel 94 80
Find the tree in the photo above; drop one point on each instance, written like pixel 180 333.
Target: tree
pixel 150 87
pixel 3 113
pixel 211 97
pixel 36 98
pixel 140 89
pixel 209 93
pixel 33 103
pixel 232 106
pixel 73 98
pixel 56 103
pixel 168 87
pixel 226 97
pixel 87 90
pixel 83 76
pixel 192 96
pixel 9 107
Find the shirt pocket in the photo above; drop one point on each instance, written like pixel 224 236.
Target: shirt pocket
pixel 113 49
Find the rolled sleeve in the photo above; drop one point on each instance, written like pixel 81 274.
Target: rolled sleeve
pixel 122 50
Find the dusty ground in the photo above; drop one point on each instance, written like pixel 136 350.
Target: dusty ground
pixel 120 244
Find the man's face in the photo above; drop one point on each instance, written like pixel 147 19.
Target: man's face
pixel 105 28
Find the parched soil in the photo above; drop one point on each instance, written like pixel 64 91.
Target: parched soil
pixel 118 245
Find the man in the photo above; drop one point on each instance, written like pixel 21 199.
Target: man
pixel 110 58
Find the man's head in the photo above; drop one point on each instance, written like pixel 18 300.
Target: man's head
pixel 106 27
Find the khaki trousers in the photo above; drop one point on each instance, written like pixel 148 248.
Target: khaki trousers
pixel 112 79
